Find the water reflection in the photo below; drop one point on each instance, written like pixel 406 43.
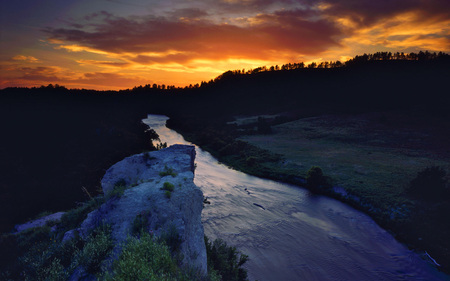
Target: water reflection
pixel 290 235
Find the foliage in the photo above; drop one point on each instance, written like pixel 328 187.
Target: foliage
pixel 72 219
pixel 97 248
pixel 315 178
pixel 143 259
pixel 43 257
pixel 167 172
pixel 161 145
pixel 171 238
pixel 119 188
pixel 168 186
pixel 140 223
pixel 429 184
pixel 226 260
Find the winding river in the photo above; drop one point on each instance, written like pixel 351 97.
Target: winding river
pixel 290 234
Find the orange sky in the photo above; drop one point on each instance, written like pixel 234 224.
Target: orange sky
pixel 118 44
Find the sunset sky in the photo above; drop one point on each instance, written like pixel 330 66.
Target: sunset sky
pixel 118 44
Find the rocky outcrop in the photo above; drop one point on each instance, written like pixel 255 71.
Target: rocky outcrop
pixel 145 176
pixel 53 218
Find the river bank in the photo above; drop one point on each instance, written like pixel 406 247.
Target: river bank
pixel 377 191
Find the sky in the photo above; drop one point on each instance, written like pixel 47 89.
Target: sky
pixel 119 44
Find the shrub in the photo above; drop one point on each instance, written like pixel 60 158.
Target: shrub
pixel 97 248
pixel 429 184
pixel 143 259
pixel 119 188
pixel 46 258
pixel 140 223
pixel 171 238
pixel 74 217
pixel 226 260
pixel 167 172
pixel 315 178
pixel 251 161
pixel 168 186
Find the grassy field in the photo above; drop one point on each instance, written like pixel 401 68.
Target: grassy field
pixel 364 152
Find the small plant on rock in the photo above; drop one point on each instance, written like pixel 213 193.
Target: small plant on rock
pixel 169 188
pixel 167 172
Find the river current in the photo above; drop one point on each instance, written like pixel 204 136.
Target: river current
pixel 290 234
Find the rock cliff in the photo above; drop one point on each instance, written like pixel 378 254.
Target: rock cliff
pixel 152 192
pixel 148 179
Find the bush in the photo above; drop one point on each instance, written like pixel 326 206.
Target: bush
pixel 119 188
pixel 74 217
pixel 226 261
pixel 143 259
pixel 168 186
pixel 429 184
pixel 140 224
pixel 171 238
pixel 167 172
pixel 97 248
pixel 315 178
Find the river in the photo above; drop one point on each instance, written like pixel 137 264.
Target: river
pixel 290 234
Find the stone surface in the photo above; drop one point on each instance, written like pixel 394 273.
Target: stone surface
pixel 56 217
pixel 144 197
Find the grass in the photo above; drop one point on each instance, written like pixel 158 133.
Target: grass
pixel 143 259
pixel 168 189
pixel 74 217
pixel 226 260
pixel 167 172
pixel 97 248
pixel 119 188
pixel 140 224
pixel 357 153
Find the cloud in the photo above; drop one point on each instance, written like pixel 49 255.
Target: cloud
pixel 109 80
pixel 188 14
pixel 287 31
pixel 25 58
pixel 41 73
pixel 368 12
pixel 104 63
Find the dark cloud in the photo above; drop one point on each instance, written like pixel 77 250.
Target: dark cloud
pixel 285 30
pixel 105 63
pixel 366 12
pixel 188 13
pixel 110 80
pixel 41 73
pixel 258 6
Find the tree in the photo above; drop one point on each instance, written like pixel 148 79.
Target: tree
pixel 315 178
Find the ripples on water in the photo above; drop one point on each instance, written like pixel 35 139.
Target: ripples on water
pixel 290 234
